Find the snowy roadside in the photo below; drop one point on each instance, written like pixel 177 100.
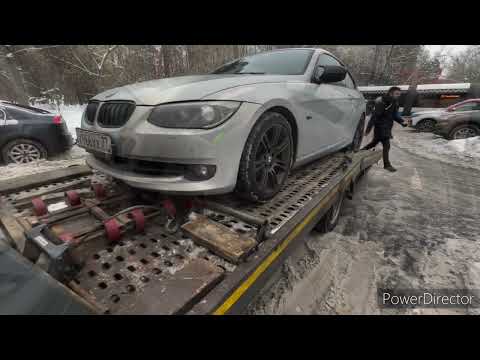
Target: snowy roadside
pixel 76 156
pixel 414 229
pixel 463 152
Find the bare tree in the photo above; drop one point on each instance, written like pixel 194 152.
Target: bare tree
pixel 11 75
pixel 465 66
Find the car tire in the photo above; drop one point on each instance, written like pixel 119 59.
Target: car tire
pixel 266 159
pixel 330 219
pixel 358 136
pixel 464 131
pixel 426 125
pixel 22 151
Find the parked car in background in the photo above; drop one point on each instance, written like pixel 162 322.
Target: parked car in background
pixel 459 125
pixel 427 120
pixel 28 133
pixel 243 127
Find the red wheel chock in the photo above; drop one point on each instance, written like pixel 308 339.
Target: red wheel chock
pixel 99 190
pixel 39 206
pixel 72 197
pixel 189 204
pixel 170 208
pixel 112 228
pixel 139 218
pixel 66 237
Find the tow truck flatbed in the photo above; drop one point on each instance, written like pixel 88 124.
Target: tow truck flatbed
pixel 96 246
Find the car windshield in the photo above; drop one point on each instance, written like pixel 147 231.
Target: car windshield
pixel 285 62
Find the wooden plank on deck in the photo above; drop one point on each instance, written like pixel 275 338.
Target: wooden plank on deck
pixel 220 239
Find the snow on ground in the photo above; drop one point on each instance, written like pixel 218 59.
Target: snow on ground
pixel 14 170
pixel 72 115
pixel 76 156
pixel 414 229
pixel 462 152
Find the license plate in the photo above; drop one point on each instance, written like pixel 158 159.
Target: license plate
pixel 94 141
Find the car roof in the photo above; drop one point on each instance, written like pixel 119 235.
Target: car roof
pixel 8 104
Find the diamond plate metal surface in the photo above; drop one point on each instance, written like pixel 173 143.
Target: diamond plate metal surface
pixel 302 185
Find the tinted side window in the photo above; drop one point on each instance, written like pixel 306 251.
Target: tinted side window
pixel 17 114
pixel 3 116
pixel 325 59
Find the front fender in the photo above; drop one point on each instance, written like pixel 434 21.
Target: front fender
pixel 269 95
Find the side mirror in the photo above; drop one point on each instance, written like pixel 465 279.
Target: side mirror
pixel 329 74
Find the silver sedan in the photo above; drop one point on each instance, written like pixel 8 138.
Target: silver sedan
pixel 242 127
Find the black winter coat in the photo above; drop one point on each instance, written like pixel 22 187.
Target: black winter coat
pixel 383 116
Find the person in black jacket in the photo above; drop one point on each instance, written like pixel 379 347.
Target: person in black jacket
pixel 383 116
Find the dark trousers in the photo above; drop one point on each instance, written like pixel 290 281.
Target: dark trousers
pixel 386 148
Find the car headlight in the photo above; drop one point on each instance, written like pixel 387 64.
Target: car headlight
pixel 193 115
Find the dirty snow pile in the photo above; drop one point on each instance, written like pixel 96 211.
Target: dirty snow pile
pixel 76 156
pixel 470 146
pixel 14 170
pixel 72 114
pixel 462 152
pixel 414 229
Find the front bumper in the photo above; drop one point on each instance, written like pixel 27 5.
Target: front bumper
pixel 176 185
pixel 57 139
pixel 220 147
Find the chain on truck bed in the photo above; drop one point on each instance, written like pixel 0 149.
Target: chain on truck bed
pixel 112 246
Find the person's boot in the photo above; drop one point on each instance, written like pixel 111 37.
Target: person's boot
pixel 390 168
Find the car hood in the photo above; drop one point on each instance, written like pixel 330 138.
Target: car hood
pixel 185 88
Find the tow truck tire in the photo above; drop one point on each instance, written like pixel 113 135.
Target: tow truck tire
pixel 266 159
pixel 330 219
